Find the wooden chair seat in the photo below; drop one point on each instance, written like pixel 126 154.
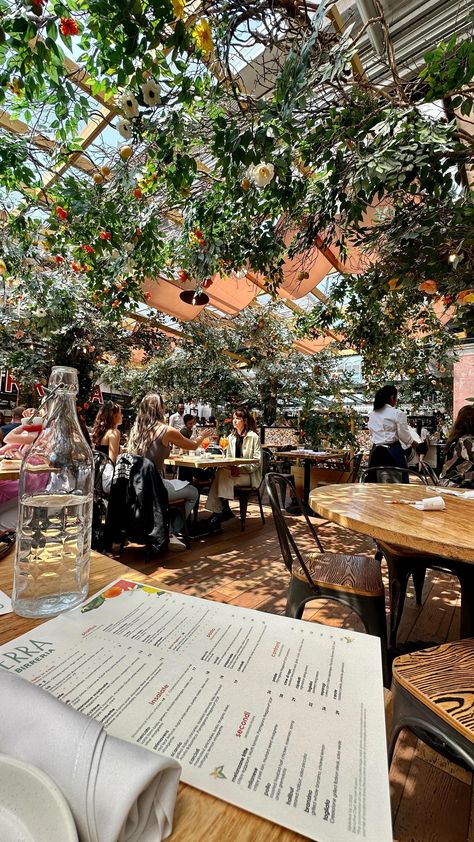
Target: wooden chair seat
pixel 355 573
pixel 433 691
pixel 355 581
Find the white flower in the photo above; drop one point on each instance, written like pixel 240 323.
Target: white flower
pixel 114 254
pixel 128 103
pixel 125 128
pixel 40 313
pixel 151 92
pixel 262 174
pixel 128 247
pixel 131 263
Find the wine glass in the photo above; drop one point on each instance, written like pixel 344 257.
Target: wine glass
pixel 224 443
pixel 205 443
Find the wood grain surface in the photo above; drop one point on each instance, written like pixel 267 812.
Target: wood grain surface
pixel 208 461
pixel 10 469
pixel 368 508
pixel 442 678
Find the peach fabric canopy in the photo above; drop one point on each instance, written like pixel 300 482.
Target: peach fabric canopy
pixel 231 294
pixel 164 296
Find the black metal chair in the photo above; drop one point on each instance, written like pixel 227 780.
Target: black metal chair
pixel 403 563
pixel 244 493
pixel 433 698
pixel 102 463
pixel 355 581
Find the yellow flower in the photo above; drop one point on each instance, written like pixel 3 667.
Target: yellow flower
pixel 178 8
pixel 202 34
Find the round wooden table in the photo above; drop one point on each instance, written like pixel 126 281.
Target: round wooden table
pixel 448 534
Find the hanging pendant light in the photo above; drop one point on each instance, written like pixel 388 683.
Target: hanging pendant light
pixel 194 297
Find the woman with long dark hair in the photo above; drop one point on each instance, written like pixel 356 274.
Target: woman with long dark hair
pixel 389 429
pixel 105 434
pixel 458 468
pixel 152 437
pixel 243 443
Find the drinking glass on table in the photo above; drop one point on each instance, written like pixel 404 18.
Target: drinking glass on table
pixel 224 443
pixel 205 443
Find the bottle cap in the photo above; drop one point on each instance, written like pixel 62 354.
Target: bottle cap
pixel 63 378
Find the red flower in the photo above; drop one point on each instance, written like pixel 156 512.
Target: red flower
pixel 137 193
pixel 147 296
pixel 87 249
pixel 86 405
pixel 115 303
pixel 61 213
pixel 75 266
pixel 198 233
pixel 183 276
pixel 68 26
pixel 138 232
pixel 59 259
pixel 105 235
pixel 207 283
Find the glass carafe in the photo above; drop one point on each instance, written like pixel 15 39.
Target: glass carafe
pixel 51 572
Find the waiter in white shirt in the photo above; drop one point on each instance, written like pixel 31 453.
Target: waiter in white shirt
pixel 176 420
pixel 389 427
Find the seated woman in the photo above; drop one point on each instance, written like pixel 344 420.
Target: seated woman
pixel 458 468
pixel 14 446
pixel 151 437
pixel 243 443
pixel 105 434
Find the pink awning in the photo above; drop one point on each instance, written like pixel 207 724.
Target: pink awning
pixel 231 294
pixel 164 296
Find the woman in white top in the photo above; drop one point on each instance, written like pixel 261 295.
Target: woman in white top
pixel 389 428
pixel 244 443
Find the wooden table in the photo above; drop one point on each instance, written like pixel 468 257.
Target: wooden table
pixel 208 461
pixel 447 534
pixel 198 816
pixel 308 458
pixel 10 469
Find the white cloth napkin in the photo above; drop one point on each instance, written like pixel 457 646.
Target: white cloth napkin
pixel 117 791
pixel 431 504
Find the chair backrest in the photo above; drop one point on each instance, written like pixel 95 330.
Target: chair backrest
pixel 390 473
pixel 429 472
pixel 354 466
pixel 101 461
pixel 289 548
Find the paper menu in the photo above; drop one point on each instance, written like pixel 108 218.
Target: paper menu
pixel 280 717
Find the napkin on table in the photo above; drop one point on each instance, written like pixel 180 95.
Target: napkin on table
pixel 430 504
pixel 117 791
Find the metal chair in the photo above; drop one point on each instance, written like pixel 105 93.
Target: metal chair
pixel 355 581
pixel 433 698
pixel 244 493
pixel 100 498
pixel 405 563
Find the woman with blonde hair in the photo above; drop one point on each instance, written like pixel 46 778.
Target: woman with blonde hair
pixel 152 437
pixel 105 434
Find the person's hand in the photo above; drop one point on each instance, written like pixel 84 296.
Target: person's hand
pixel 234 471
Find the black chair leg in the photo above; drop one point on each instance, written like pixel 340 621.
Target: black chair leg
pixel 261 507
pixel 243 501
pixel 419 574
pixel 398 578
pixel 196 507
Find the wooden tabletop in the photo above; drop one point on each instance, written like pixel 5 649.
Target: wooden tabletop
pixel 316 457
pixel 198 817
pixel 10 469
pixel 208 461
pixel 363 508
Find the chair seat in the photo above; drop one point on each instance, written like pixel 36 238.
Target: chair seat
pixel 441 678
pixel 356 573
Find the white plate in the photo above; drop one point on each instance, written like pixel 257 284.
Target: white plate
pixel 32 808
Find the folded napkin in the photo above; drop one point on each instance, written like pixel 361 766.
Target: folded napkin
pixel 430 504
pixel 117 791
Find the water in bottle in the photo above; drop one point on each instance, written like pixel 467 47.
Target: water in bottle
pixel 52 558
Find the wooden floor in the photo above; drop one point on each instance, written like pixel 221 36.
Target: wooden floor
pixel 432 800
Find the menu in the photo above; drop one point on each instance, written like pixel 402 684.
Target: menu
pixel 280 717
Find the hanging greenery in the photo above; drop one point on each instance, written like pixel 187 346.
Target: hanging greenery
pixel 211 177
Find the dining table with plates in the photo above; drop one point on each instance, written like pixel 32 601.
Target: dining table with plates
pixel 309 458
pixel 208 461
pixel 387 513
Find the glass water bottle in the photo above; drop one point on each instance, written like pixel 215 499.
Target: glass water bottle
pixel 51 572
